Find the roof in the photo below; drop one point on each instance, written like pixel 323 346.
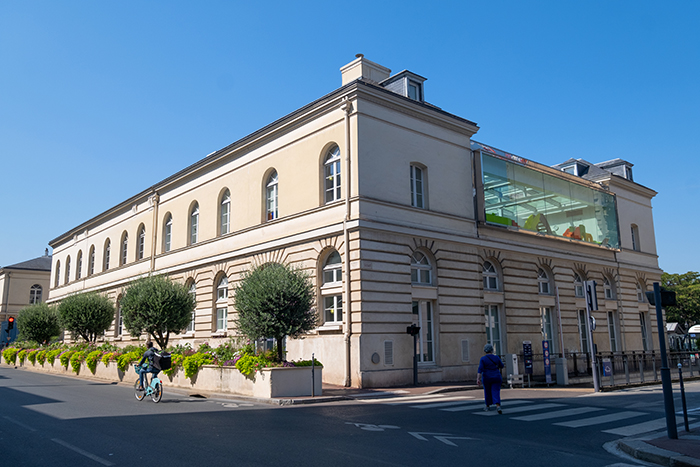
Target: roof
pixel 674 328
pixel 42 263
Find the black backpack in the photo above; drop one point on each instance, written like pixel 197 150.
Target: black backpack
pixel 162 360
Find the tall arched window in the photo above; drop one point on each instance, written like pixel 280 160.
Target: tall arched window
pixel 222 304
pixel 107 251
pixel 194 224
pixel 35 294
pixel 609 288
pixel 124 249
pixel 271 195
pixel 119 321
pixel 91 261
pixel 79 265
pixel 141 243
pixel 543 282
pixel 57 279
pixel 578 285
pixel 417 187
pixel 67 279
pixel 490 276
pixel 193 291
pixel 332 174
pixel 640 292
pixel 225 213
pixel 421 269
pixel 332 289
pixel 167 233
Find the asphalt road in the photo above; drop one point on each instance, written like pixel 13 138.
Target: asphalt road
pixel 53 420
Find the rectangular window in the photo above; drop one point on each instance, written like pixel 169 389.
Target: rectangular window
pixel 493 327
pixel 612 329
pixel 417 187
pixel 221 319
pixel 333 309
pixel 190 327
pixel 546 327
pixel 645 331
pixel 635 238
pixel 522 197
pixel 423 317
pixel 120 326
pixel 583 330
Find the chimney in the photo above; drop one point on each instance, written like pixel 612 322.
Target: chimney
pixel 361 68
pixel 46 252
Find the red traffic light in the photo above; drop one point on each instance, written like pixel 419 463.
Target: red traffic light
pixel 11 319
pixel 10 322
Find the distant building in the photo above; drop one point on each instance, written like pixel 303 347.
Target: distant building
pixel 400 218
pixel 24 284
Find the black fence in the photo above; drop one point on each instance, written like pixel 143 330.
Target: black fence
pixel 615 368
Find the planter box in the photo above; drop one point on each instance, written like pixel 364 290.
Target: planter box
pixel 265 384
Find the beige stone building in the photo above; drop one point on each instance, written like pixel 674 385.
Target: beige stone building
pixel 23 284
pixel 401 218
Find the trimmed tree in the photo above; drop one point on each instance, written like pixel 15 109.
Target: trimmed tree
pixel 274 301
pixel 87 315
pixel 39 322
pixel 687 288
pixel 157 306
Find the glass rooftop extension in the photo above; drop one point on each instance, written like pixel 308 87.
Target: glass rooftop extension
pixel 526 196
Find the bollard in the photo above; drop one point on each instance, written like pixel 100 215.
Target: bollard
pixel 685 408
pixel 313 382
pixel 641 369
pixel 627 368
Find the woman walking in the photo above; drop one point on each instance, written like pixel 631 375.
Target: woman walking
pixel 489 374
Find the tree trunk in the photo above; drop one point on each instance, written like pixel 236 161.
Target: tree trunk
pixel 280 353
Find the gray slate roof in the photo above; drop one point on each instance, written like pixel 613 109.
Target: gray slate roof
pixel 42 263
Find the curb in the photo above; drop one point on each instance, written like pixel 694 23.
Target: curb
pixel 646 452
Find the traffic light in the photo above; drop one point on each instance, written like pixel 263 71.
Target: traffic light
pixel 10 323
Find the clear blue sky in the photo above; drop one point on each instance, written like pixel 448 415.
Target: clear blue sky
pixel 100 100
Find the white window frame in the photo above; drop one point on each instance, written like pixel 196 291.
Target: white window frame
pixel 35 293
pixel 272 197
pixel 107 252
pixel 421 269
pixel 91 261
pixel 194 224
pixel 192 291
pixel 225 213
pixel 141 243
pixel 608 289
pixel 120 321
pixel 332 172
pixel 222 304
pixel 544 287
pixel 492 323
pixel 418 198
pixel 547 328
pixel 333 271
pixel 79 265
pixel 331 289
pixel 424 316
pixel 167 233
pixel 490 276
pixel 640 293
pixel 583 331
pixel 124 249
pixel 57 279
pixel 67 279
pixel 634 230
pixel 578 285
pixel 612 331
pixel 333 309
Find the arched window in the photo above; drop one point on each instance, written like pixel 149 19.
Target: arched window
pixel 543 282
pixel 124 249
pixel 578 285
pixel 331 290
pixel 271 194
pixel 57 279
pixel 490 276
pixel 417 187
pixel 107 251
pixel 35 294
pixel 194 224
pixel 167 233
pixel 119 321
pixel 193 291
pixel 79 265
pixel 91 261
pixel 640 292
pixel 635 237
pixel 609 288
pixel 332 174
pixel 222 304
pixel 225 213
pixel 67 279
pixel 332 271
pixel 141 243
pixel 421 269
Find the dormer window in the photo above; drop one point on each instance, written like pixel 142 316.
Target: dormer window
pixel 414 90
pixel 407 84
pixel 575 169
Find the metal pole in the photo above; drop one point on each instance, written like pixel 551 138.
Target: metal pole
pixel 665 370
pixel 685 407
pixel 415 359
pixel 596 382
pixel 313 381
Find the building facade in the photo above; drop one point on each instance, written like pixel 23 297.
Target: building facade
pixel 24 284
pixel 400 218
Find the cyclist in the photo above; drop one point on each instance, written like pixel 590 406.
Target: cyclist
pixel 149 354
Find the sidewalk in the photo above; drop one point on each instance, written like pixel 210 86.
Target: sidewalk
pixel 659 449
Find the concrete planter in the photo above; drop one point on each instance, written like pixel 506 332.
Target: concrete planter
pixel 266 383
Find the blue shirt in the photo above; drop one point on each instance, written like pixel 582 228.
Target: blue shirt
pixel 490 366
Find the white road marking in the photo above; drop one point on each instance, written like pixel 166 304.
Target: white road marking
pixel 463 408
pixel 557 414
pixel 26 427
pixel 601 419
pixel 89 455
pixel 639 428
pixel 527 408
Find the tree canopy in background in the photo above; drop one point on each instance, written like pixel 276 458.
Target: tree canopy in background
pixel 87 315
pixel 687 288
pixel 157 306
pixel 39 322
pixel 274 301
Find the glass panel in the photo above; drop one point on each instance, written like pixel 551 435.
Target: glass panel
pixel 221 319
pixel 333 307
pixel 583 330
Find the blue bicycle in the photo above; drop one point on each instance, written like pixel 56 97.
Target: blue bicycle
pixel 153 389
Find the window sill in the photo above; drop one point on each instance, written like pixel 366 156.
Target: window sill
pixel 219 334
pixel 330 327
pixel 188 335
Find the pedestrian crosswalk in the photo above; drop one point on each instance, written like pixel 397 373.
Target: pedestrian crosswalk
pixel 558 413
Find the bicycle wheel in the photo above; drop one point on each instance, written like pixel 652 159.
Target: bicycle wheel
pixel 157 393
pixel 139 394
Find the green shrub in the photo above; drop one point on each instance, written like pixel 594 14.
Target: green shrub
pixel 307 363
pixel 249 364
pixel 92 359
pixel 41 357
pixel 193 363
pixel 124 360
pixel 176 363
pixel 32 356
pixel 10 355
pixel 75 360
pixel 108 357
pixel 65 358
pixel 22 355
pixel 52 354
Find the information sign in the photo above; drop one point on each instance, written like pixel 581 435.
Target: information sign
pixel 607 367
pixel 547 362
pixel 527 357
